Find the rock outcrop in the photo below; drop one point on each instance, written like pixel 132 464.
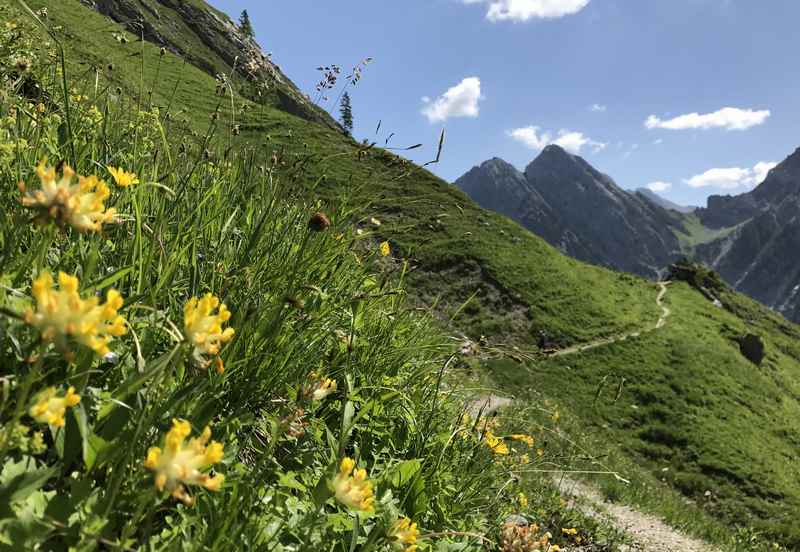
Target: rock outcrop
pixel 752 348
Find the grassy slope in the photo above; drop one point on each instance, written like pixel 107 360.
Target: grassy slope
pixel 693 409
pixel 702 408
pixel 569 298
pixel 696 234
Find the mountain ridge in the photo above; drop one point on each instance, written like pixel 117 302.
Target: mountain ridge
pixel 579 210
pixel 661 201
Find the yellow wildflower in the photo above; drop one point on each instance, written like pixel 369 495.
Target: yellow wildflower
pixel 123 178
pixel 204 328
pixel 523 500
pixel 318 387
pixel 80 205
pixel 385 249
pixel 524 459
pixel 182 464
pixel 61 314
pixel 352 487
pixel 527 439
pixel 49 408
pixel 569 531
pixel 404 534
pixel 495 444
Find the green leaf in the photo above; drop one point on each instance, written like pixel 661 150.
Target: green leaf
pixel 111 279
pixel 289 481
pixel 23 485
pixel 401 474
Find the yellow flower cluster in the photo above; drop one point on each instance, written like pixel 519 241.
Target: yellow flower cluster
pixel 204 328
pixel 62 314
pixel 49 408
pixel 182 464
pixel 319 387
pixel 385 250
pixel 352 488
pixel 123 178
pixel 80 205
pixel 495 444
pixel 404 534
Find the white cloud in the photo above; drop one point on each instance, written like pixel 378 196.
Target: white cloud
pixel 729 118
pixel 525 10
pixel 459 101
pixel 659 186
pixel 733 177
pixel 761 170
pixel 658 142
pixel 598 108
pixel 572 141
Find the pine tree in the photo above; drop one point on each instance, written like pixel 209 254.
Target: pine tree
pixel 346 113
pixel 245 26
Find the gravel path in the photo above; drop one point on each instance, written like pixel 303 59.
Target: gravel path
pixel 648 533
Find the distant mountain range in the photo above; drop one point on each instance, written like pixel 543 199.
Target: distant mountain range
pixel 761 255
pixel 579 210
pixel 751 239
pixel 661 201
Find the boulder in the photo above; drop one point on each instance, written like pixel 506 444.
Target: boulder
pixel 752 348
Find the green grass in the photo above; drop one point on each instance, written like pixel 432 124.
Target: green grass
pixel 718 422
pixel 697 234
pixel 232 222
pixel 686 405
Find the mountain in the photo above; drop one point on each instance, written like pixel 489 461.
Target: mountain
pixel 759 257
pixel 579 210
pixel 680 411
pixel 663 202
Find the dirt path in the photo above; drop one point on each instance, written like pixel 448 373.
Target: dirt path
pixel 665 311
pixel 662 321
pixel 648 533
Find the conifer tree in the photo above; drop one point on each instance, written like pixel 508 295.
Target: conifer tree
pixel 245 26
pixel 346 113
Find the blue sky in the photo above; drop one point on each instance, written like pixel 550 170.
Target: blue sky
pixel 638 87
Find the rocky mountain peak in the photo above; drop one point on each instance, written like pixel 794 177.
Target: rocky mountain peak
pixel 578 209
